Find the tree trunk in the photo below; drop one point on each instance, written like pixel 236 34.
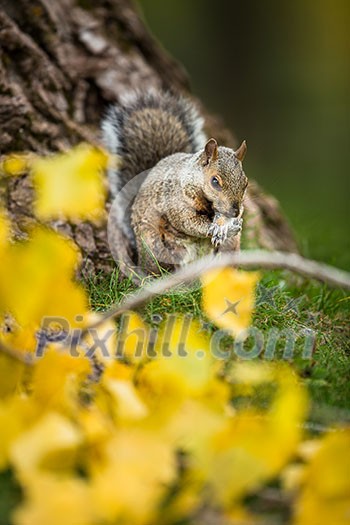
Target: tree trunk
pixel 61 63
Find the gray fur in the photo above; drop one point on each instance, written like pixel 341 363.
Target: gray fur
pixel 171 213
pixel 155 141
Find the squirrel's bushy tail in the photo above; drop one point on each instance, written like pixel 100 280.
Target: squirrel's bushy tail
pixel 146 127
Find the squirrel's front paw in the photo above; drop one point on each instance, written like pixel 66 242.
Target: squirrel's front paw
pixel 235 226
pixel 218 234
pixel 220 229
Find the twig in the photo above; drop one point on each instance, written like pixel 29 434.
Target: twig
pixel 246 259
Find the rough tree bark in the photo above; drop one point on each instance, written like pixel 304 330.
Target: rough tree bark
pixel 61 63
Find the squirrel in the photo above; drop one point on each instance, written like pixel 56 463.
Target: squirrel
pixel 177 196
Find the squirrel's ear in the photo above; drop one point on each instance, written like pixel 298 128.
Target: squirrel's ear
pixel 211 151
pixel 242 150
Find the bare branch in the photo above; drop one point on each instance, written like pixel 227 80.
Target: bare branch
pixel 248 259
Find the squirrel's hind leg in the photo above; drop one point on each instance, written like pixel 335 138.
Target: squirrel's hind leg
pixel 159 249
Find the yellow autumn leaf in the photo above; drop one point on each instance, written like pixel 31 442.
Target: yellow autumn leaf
pixel 21 338
pixel 96 426
pixel 229 298
pixel 193 427
pixel 11 372
pixel 50 443
pixel 325 494
pixel 57 378
pixel 292 476
pixel 308 448
pixel 17 414
pixel 183 349
pixel 54 500
pixel 71 185
pixel 126 400
pixel 255 444
pixel 116 370
pixel 16 164
pixel 129 485
pixel 183 366
pixel 37 282
pixel 133 338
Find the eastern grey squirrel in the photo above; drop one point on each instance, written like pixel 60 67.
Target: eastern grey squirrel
pixel 177 195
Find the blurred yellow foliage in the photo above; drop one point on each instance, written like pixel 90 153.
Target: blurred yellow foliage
pixel 4 230
pixel 71 185
pixel 36 280
pixel 125 427
pixel 16 164
pixel 53 499
pixel 325 483
pixel 229 297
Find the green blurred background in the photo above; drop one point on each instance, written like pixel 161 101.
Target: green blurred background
pixel 279 74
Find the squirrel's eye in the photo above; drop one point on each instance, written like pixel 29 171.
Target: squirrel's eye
pixel 215 183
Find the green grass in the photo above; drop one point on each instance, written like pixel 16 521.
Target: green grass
pixel 301 306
